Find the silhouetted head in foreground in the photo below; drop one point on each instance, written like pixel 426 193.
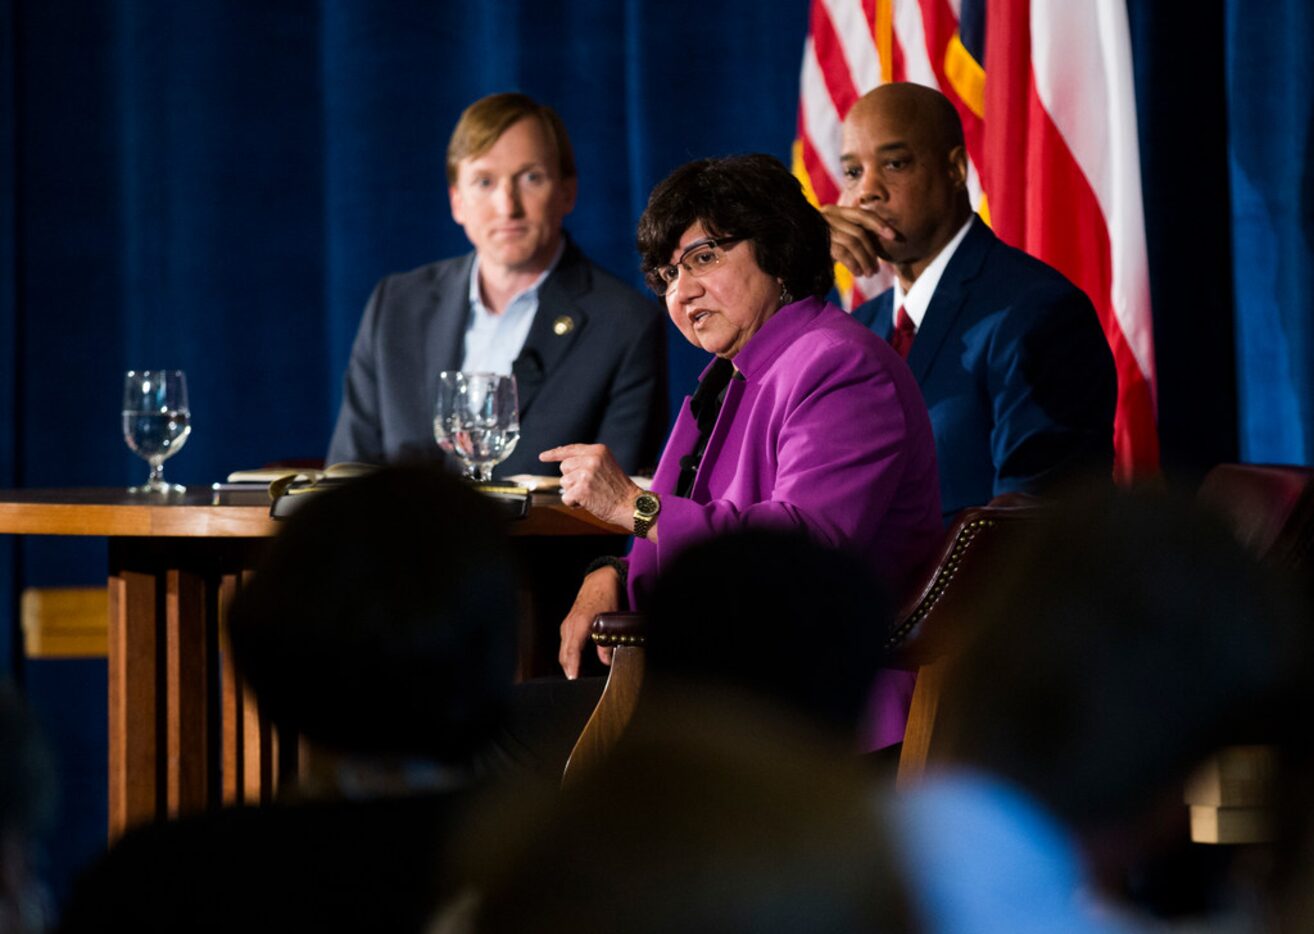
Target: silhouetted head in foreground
pixel 381 622
pixel 27 800
pixel 1128 638
pixel 775 615
pixel 707 819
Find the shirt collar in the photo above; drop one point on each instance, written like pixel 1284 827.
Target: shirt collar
pixel 918 298
pixel 477 301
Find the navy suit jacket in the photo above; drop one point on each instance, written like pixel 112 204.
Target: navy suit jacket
pixel 592 369
pixel 1016 372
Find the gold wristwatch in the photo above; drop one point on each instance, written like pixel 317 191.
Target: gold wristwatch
pixel 646 508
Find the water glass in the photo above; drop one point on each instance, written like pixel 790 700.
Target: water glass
pixel 156 422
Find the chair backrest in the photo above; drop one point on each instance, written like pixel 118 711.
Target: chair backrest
pixel 935 619
pixel 1270 507
pixel 924 626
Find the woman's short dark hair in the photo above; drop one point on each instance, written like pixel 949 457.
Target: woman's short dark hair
pixel 751 196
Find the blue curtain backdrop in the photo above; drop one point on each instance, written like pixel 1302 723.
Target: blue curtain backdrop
pixel 1270 96
pixel 216 185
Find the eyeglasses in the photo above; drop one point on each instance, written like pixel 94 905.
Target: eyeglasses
pixel 698 259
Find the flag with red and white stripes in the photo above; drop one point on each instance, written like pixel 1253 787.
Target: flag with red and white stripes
pixel 1049 121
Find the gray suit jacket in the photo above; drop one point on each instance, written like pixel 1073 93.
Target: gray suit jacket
pixel 603 380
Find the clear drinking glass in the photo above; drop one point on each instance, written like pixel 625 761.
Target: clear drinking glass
pixel 156 422
pixel 450 386
pixel 479 415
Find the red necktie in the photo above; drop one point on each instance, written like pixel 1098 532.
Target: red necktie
pixel 904 332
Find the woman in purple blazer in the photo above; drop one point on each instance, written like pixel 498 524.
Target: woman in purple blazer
pixel 804 419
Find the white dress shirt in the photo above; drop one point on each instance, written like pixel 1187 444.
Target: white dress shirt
pixel 918 298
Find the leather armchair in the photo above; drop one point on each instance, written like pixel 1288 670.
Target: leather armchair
pixel 925 631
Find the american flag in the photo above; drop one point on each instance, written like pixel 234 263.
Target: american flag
pixel 1053 157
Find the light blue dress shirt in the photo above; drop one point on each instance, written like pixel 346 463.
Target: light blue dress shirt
pixel 493 341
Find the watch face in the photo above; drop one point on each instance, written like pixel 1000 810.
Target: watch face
pixel 646 505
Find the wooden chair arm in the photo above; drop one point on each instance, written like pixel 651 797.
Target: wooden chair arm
pixel 623 632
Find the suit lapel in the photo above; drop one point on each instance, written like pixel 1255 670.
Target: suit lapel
pixel 878 314
pixel 557 325
pixel 444 340
pixel 950 295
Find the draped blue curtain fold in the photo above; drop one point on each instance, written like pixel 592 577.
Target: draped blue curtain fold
pixel 1270 97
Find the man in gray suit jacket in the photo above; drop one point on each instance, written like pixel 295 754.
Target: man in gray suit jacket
pixel 587 351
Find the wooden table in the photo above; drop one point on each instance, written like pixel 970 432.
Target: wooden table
pixel 184 733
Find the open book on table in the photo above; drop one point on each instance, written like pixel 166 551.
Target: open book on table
pixel 279 480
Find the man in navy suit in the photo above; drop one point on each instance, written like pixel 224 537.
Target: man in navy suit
pixel 1010 356
pixel 587 351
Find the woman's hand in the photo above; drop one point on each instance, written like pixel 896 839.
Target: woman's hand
pixel 600 593
pixel 591 478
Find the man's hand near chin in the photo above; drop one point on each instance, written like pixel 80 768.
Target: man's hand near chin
pixel 854 238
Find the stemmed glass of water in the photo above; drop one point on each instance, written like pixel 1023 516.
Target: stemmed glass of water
pixel 156 422
pixel 477 417
pixel 445 411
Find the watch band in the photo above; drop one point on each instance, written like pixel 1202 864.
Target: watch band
pixel 643 518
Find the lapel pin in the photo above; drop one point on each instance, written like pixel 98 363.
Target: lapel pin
pixel 563 325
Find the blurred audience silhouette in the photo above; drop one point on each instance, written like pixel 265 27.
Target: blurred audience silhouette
pixel 772 614
pixel 718 815
pixel 1127 637
pixel 379 626
pixel 734 801
pixel 1124 641
pixel 27 804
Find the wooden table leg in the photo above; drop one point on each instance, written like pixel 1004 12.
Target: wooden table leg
pixel 186 625
pixel 230 693
pixel 184 733
pixel 132 700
